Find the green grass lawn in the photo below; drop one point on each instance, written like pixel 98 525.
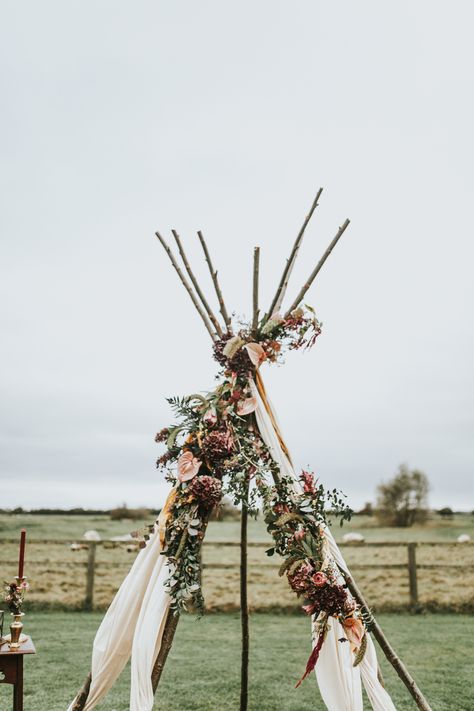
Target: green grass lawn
pixel 202 673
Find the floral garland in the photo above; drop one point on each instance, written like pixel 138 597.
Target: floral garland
pixel 216 450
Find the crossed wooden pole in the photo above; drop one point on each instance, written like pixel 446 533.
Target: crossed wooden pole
pixel 216 331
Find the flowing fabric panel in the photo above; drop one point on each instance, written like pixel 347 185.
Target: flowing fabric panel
pixel 113 641
pixel 339 682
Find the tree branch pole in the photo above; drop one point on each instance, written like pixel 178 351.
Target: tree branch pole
pixel 199 292
pixel 387 648
pixel 244 608
pixel 256 266
pixel 187 286
pixel 285 277
pixel 215 281
pixel 166 642
pixel 82 695
pixel 316 270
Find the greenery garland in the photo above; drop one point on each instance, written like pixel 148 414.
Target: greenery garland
pixel 215 449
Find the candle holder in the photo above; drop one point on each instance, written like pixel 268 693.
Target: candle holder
pixel 15 639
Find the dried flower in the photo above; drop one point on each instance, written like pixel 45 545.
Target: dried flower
pixel 300 579
pixel 206 489
pixel 188 466
pixel 162 435
pixel 218 445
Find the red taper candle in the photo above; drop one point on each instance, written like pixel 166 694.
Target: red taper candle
pixel 21 561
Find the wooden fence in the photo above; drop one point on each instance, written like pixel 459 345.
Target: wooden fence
pixel 411 565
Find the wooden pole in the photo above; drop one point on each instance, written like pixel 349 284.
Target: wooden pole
pixel 256 266
pixel 215 281
pixel 187 286
pixel 81 698
pixel 285 277
pixel 89 599
pixel 199 292
pixel 166 642
pixel 387 648
pixel 244 609
pixel 317 268
pixel 412 575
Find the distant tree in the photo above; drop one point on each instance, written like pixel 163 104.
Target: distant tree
pixel 122 513
pixel 403 500
pixel 367 510
pixel 446 512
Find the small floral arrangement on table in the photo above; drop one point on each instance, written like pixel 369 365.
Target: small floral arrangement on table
pixel 216 449
pixel 14 595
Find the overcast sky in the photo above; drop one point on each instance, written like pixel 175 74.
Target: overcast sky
pixel 121 118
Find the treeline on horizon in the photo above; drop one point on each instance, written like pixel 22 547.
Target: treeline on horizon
pixel 78 511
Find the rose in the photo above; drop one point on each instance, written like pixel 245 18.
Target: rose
pixel 319 579
pixel 188 466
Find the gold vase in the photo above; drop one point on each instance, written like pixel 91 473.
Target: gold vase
pixel 15 630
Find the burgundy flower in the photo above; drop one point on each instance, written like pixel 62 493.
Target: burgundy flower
pixel 300 580
pixel 207 490
pixel 218 445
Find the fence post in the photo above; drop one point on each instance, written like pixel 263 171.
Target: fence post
pixel 89 599
pixel 412 574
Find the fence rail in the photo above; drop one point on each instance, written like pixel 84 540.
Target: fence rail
pixel 91 564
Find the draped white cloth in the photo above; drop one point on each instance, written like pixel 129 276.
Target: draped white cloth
pixel 338 680
pixel 133 625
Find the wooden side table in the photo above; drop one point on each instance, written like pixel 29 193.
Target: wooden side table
pixel 11 669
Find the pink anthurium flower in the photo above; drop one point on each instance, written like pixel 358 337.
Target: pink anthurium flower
pixel 354 630
pixel 245 407
pixel 188 466
pixel 256 353
pixel 210 418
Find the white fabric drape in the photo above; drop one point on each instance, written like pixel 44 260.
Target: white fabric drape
pixel 339 682
pixel 133 625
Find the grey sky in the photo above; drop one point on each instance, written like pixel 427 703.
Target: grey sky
pixel 119 118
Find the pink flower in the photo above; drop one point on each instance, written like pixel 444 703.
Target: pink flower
pixel 299 535
pixel 256 353
pixel 354 630
pixel 210 418
pixel 188 466
pixel 310 609
pixel 245 407
pixel 319 579
pixel 308 482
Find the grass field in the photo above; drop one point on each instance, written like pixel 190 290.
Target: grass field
pixel 202 673
pixel 57 574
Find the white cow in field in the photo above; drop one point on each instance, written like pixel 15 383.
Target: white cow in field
pixel 464 538
pixel 92 536
pixel 353 538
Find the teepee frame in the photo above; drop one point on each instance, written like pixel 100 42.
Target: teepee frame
pixel 216 331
